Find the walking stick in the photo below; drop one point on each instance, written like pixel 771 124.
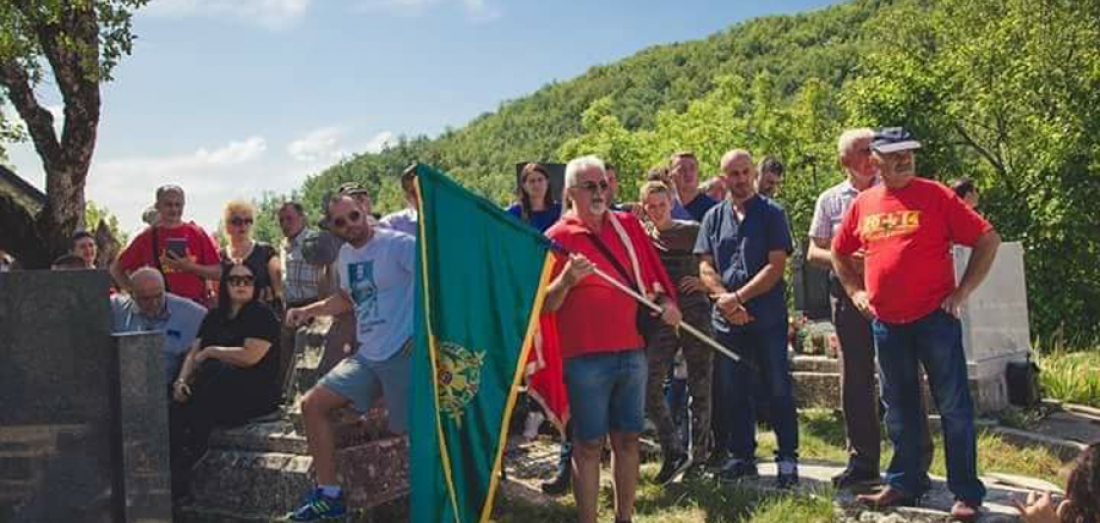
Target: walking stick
pixel 657 308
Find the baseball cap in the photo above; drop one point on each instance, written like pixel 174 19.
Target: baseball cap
pixel 351 188
pixel 892 140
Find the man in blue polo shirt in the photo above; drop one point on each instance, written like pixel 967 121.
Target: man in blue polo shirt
pixel 743 246
pixel 150 308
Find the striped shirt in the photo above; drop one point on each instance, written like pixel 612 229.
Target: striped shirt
pixel 830 208
pixel 301 280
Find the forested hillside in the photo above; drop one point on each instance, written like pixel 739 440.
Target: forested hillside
pixel 1006 92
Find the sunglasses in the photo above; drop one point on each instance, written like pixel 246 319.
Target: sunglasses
pixel 593 186
pixel 341 222
pixel 240 281
pixel 241 221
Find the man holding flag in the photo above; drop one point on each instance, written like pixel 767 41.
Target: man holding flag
pixel 605 363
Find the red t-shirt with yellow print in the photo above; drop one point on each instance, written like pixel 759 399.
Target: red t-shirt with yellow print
pixel 906 235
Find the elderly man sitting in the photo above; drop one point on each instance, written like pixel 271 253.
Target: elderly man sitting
pixel 150 308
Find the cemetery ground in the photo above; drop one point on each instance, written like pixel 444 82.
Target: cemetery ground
pixel 822 447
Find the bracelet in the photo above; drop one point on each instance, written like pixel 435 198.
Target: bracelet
pixel 737 297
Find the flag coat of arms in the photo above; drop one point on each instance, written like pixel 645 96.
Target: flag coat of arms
pixel 480 283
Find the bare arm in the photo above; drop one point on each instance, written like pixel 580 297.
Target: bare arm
pixel 247 355
pixel 709 276
pixel 189 362
pixel 820 253
pixel 764 280
pixel 981 259
pixel 846 267
pixel 729 304
pixel 334 305
pixel 577 268
pixel 275 271
pixel 120 276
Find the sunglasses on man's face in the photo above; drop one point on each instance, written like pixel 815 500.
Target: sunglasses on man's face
pixel 241 221
pixel 341 222
pixel 240 281
pixel 594 187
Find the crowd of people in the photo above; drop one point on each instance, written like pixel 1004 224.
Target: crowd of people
pixel 711 254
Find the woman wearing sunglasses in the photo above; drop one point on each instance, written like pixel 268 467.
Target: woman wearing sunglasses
pixel 536 207
pixel 230 374
pixel 260 257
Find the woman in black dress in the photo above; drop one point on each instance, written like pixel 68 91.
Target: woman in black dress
pixel 230 374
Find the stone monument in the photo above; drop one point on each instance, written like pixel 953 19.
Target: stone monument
pixel 995 327
pixel 83 415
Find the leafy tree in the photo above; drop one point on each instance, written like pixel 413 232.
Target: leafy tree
pixel 1007 92
pixel 74 45
pixel 95 215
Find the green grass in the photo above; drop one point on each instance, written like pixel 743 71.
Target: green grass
pixel 821 438
pixel 1071 376
pixel 691 501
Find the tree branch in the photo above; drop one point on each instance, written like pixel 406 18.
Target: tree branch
pixel 15 78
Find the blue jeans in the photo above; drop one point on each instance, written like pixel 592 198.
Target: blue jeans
pixel 934 341
pixel 763 352
pixel 606 393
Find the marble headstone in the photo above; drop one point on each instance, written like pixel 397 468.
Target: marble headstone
pixel 995 327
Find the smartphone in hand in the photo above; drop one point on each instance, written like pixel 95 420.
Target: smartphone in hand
pixel 177 246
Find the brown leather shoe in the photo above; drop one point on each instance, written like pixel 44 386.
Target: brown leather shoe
pixel 887 497
pixel 964 511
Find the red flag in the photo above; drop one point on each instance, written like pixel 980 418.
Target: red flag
pixel 545 381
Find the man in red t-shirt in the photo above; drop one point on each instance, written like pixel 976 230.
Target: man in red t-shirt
pixel 904 229
pixel 605 363
pixel 183 252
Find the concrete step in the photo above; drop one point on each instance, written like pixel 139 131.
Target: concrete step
pixel 393 511
pixel 287 435
pixel 816 390
pixel 806 363
pixel 251 483
pixel 270 484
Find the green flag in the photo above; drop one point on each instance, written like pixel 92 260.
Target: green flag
pixel 480 284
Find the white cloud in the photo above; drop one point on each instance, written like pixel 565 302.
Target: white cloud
pixel 380 142
pixel 209 176
pixel 319 145
pixel 272 14
pixel 476 10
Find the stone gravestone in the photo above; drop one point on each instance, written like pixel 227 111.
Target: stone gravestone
pixel 811 287
pixel 995 325
pixel 83 423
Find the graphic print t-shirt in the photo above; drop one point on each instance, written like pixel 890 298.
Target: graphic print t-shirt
pixel 907 235
pixel 378 277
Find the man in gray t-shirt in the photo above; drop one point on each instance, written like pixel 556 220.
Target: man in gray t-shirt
pixel 376 269
pixel 150 308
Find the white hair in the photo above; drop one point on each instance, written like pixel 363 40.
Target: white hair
pixel 848 140
pixel 578 165
pixel 148 273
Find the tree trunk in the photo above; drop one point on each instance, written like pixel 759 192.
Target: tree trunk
pixel 70 44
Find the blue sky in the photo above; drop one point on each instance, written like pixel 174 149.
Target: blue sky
pixel 230 98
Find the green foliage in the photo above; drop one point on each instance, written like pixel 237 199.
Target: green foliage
pixel 1006 92
pixel 94 215
pixel 1071 376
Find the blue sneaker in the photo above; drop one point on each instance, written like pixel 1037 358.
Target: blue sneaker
pixel 319 507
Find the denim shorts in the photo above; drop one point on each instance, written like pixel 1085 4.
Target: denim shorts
pixel 606 393
pixel 363 382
